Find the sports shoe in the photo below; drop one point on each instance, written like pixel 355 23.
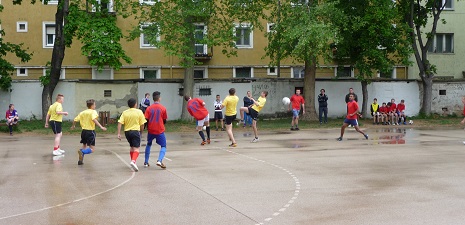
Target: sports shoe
pixel 339 138
pixel 56 152
pixel 81 157
pixel 203 143
pixel 222 129
pixel 255 140
pixel 161 165
pixel 233 145
pixel 405 123
pixel 366 136
pixel 292 128
pixel 134 166
pixel 296 128
pixel 146 164
pixel 216 129
pixel 80 162
pixel 61 150
pixel 208 141
pixel 464 142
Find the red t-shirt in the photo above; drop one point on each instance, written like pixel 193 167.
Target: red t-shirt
pixel 464 110
pixel 382 109
pixel 393 107
pixel 400 107
pixel 197 109
pixel 352 107
pixel 155 114
pixel 296 101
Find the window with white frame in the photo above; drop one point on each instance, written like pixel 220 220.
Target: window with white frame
pixel 447 4
pixel 148 2
pixel 21 72
pixel 103 6
pixel 51 2
pixel 62 73
pixel 272 71
pixel 442 43
pixel 200 73
pixel 344 71
pixel 199 33
pixel 103 74
pixel 270 27
pixel 299 2
pixel 149 34
pixel 150 73
pixel 243 72
pixel 21 26
pixel 298 72
pixel 244 36
pixel 49 34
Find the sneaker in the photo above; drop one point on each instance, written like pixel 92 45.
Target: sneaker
pixel 134 166
pixel 292 128
pixel 366 136
pixel 146 164
pixel 208 141
pixel 222 129
pixel 233 145
pixel 56 152
pixel 161 165
pixel 255 140
pixel 80 162
pixel 203 143
pixel 61 150
pixel 405 123
pixel 464 142
pixel 296 128
pixel 339 138
pixel 11 134
pixel 216 129
pixel 81 156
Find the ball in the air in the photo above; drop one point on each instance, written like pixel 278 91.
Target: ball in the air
pixel 204 127
pixel 286 101
pixel 410 122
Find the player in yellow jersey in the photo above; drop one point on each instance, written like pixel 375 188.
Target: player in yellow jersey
pixel 55 118
pixel 87 119
pixel 230 103
pixel 133 120
pixel 253 111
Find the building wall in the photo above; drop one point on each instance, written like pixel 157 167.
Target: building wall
pixel 447 98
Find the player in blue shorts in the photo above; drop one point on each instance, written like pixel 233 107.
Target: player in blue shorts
pixel 351 118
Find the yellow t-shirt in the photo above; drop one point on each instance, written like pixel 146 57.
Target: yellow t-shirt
pixel 132 119
pixel 52 111
pixel 230 103
pixel 261 102
pixel 85 118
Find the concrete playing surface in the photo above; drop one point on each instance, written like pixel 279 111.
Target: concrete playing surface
pixel 398 176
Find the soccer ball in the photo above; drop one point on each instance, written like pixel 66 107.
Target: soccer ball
pixel 410 122
pixel 204 127
pixel 286 101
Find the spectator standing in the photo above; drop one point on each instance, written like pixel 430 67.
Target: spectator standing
pixel 248 102
pixel 323 106
pixel 144 104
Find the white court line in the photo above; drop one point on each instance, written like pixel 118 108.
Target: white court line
pixel 80 199
pixel 168 159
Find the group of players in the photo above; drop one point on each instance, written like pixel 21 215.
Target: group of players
pixel 388 114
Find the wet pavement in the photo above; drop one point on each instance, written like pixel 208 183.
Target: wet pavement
pixel 400 175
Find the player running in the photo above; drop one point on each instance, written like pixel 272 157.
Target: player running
pixel 230 103
pixel 352 113
pixel 196 108
pixel 55 117
pixel 156 118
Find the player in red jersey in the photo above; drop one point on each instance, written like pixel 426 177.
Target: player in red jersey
pixel 463 121
pixel 393 113
pixel 383 113
pixel 401 113
pixel 196 108
pixel 296 101
pixel 352 115
pixel 156 118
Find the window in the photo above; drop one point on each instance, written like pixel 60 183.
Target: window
pixel 243 72
pixel 199 33
pixel 200 73
pixel 387 74
pixel 104 74
pixel 62 73
pixel 244 36
pixel 298 72
pixel 107 93
pixel 447 4
pixel 272 71
pixel 49 34
pixel 21 26
pixel 21 72
pixel 149 73
pixel 344 71
pixel 270 27
pixel 205 91
pixel 442 43
pixel 51 2
pixel 149 34
pixel 148 2
pixel 299 2
pixel 103 6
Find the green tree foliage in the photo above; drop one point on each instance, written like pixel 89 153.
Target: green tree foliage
pixel 372 38
pixel 302 31
pixel 7 68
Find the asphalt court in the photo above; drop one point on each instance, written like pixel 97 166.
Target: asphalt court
pixel 399 176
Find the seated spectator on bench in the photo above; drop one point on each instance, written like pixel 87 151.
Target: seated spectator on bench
pixel 11 117
pixel 401 113
pixel 374 111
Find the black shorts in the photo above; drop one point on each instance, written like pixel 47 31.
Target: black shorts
pixel 229 119
pixel 218 115
pixel 56 126
pixel 133 137
pixel 88 137
pixel 253 114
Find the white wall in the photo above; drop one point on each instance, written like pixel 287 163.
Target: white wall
pixel 169 96
pixel 452 100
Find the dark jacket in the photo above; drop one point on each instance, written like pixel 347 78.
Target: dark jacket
pixel 247 101
pixel 322 100
pixel 355 98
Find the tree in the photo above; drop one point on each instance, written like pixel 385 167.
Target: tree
pixel 372 39
pixel 302 31
pixel 6 68
pixel 422 16
pixel 182 27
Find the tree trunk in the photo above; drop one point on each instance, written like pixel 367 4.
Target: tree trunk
pixel 364 98
pixel 309 90
pixel 58 55
pixel 188 90
pixel 427 94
